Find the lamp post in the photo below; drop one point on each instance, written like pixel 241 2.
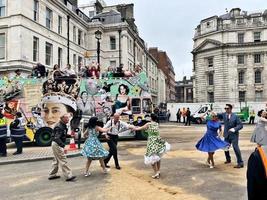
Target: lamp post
pixel 98 34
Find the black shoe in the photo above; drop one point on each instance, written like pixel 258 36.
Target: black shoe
pixel 239 166
pixel 227 162
pixel 16 153
pixel 107 166
pixel 53 177
pixel 71 178
pixel 118 167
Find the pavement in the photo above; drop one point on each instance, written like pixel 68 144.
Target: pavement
pixel 32 153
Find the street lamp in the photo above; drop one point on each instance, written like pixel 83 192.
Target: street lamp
pixel 98 34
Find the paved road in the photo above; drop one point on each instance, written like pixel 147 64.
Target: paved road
pixel 184 174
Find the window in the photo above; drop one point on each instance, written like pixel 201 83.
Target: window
pixel 59 28
pixel 240 37
pixel 240 59
pixel 210 62
pixel 258 96
pixel 2 8
pixel 91 14
pixel 241 76
pixel 2 46
pixel 35 49
pixel 239 21
pixel 35 10
pixel 74 34
pixel 112 43
pixel 112 63
pixel 257 76
pixel 59 53
pixel 85 39
pixel 74 60
pixel 257 58
pixel 136 106
pixel 210 98
pixel 80 41
pixel 48 53
pixel 242 96
pixel 80 60
pixel 210 79
pixel 48 18
pixel 257 36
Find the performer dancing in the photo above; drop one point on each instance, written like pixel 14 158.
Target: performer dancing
pixel 210 142
pixel 259 135
pixel 156 146
pixel 93 149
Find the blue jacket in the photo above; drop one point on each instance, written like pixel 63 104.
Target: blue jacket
pixel 233 122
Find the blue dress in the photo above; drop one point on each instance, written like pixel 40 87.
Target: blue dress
pixel 210 142
pixel 93 148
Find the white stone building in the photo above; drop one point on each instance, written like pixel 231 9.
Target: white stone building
pixel 230 57
pixel 58 32
pixel 50 32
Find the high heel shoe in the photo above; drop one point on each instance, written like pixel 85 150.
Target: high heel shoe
pixel 156 176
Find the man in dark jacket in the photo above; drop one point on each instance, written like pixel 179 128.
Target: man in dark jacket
pixel 257 174
pixel 58 143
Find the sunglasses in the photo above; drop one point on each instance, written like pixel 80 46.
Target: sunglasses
pixel 226 108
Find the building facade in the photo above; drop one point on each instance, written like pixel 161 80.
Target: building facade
pixel 165 64
pixel 184 90
pixel 230 57
pixel 47 32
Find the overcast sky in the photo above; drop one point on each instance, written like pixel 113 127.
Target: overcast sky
pixel 169 25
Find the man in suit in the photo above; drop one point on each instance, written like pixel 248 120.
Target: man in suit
pixel 232 125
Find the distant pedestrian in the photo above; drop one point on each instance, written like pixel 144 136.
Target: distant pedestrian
pixel 58 143
pixel 259 135
pixel 178 116
pixel 168 115
pixel 188 117
pixel 17 132
pixel 232 125
pixel 93 149
pixel 156 146
pixel 3 135
pixel 183 114
pixel 251 117
pixel 210 142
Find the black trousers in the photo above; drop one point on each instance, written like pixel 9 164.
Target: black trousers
pixel 251 120
pixel 3 146
pixel 112 143
pixel 19 143
pixel 188 121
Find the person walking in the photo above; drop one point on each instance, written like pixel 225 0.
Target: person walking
pixel 232 126
pixel 3 135
pixel 178 116
pixel 156 146
pixel 93 149
pixel 58 143
pixel 184 115
pixel 188 117
pixel 211 141
pixel 116 126
pixel 17 132
pixel 259 135
pixel 251 117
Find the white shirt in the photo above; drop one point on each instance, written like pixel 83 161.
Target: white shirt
pixel 116 128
